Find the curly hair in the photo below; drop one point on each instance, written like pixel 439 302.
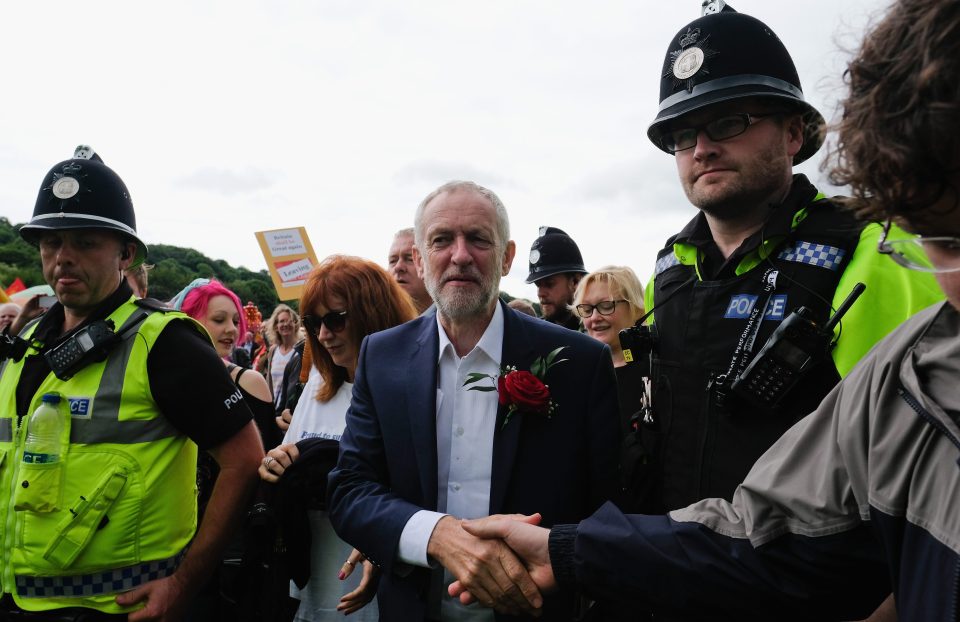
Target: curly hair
pixel 898 143
pixel 373 300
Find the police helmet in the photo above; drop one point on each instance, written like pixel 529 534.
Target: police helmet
pixel 727 55
pixel 84 193
pixel 554 252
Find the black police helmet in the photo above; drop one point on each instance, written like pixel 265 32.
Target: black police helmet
pixel 554 252
pixel 725 56
pixel 84 193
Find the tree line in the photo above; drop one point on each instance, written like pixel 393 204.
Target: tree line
pixel 174 267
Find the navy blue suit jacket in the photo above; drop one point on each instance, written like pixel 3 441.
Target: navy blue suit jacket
pixel 564 467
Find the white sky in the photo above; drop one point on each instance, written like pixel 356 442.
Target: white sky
pixel 224 118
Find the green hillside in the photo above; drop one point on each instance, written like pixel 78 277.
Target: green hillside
pixel 175 266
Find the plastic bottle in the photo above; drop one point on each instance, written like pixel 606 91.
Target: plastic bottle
pixel 43 432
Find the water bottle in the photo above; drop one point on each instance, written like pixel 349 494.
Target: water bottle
pixel 43 432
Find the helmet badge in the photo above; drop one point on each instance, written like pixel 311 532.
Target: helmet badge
pixel 534 256
pixel 690 59
pixel 66 188
pixel 66 185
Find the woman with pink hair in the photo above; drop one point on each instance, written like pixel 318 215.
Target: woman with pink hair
pixel 220 312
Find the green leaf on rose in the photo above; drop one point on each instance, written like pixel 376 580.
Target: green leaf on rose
pixel 475 377
pixel 550 361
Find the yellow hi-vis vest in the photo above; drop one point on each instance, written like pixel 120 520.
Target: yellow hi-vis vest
pixel 119 508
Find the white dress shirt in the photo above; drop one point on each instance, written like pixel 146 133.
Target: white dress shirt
pixel 466 422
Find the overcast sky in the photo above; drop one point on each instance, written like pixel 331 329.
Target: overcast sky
pixel 224 118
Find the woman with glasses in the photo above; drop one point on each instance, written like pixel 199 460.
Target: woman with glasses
pixel 609 300
pixel 344 300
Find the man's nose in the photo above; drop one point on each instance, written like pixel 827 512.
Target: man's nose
pixel 705 146
pixel 461 252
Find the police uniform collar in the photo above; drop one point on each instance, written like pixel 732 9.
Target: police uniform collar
pixel 697 231
pixel 48 329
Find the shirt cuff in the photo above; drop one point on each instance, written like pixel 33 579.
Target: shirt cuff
pixel 415 536
pixel 561 547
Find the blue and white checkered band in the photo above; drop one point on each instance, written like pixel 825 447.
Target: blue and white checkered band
pixel 667 261
pixel 106 582
pixel 819 255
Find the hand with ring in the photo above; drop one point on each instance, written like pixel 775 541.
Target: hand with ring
pixel 277 461
pixel 358 598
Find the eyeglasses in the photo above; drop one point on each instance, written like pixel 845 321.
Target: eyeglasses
pixel 604 307
pixel 911 252
pixel 334 321
pixel 723 128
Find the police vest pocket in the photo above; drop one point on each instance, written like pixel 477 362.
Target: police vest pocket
pixel 75 531
pixel 38 487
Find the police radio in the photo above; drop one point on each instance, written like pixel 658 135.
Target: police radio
pixel 90 344
pixel 791 351
pixel 638 344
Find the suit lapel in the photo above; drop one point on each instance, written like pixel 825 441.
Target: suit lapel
pixel 518 352
pixel 421 382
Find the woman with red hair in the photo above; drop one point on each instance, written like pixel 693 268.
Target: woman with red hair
pixel 344 300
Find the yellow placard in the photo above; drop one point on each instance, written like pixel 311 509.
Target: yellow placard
pixel 290 259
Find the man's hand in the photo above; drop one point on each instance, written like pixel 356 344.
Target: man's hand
pixel 165 600
pixel 30 310
pixel 488 569
pixel 527 540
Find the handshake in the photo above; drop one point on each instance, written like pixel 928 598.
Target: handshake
pixel 501 561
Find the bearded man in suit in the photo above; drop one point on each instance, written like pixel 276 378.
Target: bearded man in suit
pixel 422 449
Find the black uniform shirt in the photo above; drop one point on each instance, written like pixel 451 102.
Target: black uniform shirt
pixel 713 266
pixel 188 380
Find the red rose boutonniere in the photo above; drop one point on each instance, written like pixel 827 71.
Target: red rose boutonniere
pixel 520 390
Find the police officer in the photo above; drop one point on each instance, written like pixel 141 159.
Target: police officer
pixel 764 243
pixel 110 527
pixel 556 267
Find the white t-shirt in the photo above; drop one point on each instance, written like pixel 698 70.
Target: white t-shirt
pixel 278 364
pixel 314 419
pixel 319 598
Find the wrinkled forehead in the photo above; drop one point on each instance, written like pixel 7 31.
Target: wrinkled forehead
pixel 402 244
pixel 85 233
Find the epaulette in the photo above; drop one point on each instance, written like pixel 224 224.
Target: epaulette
pixel 152 304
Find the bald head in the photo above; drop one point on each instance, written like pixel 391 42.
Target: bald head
pixel 8 313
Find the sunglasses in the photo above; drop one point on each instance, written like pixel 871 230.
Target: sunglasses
pixel 335 321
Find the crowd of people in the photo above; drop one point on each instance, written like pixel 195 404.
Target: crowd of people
pixel 766 430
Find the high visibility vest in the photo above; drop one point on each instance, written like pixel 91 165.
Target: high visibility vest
pixel 705 448
pixel 119 508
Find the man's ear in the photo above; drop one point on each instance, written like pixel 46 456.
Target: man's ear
pixel 128 250
pixel 508 254
pixel 418 262
pixel 795 127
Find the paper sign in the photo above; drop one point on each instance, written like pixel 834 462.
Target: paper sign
pixel 290 259
pixel 294 272
pixel 285 242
